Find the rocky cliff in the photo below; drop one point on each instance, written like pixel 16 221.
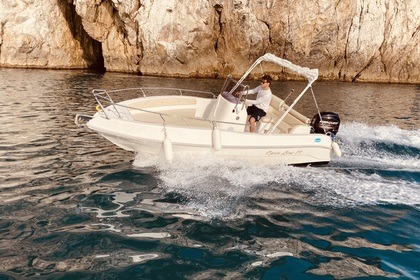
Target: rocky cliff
pixel 361 40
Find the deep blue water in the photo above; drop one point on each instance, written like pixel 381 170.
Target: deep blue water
pixel 73 206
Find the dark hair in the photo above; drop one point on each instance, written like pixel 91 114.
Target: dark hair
pixel 267 78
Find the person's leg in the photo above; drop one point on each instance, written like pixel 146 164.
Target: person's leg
pixel 250 110
pixel 251 124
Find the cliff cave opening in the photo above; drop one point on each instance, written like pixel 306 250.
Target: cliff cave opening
pixel 92 49
pixel 98 63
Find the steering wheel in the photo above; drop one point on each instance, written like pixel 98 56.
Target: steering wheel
pixel 240 99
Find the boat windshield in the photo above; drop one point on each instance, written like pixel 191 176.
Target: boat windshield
pixel 230 86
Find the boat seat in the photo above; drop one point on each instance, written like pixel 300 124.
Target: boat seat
pixel 274 110
pixel 273 115
pixel 291 120
pixel 300 129
pixel 159 102
pixel 268 119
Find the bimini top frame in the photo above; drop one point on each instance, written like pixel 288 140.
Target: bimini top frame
pixel 310 74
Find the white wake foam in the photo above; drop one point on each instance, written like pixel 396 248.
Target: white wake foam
pixel 358 146
pixel 215 187
pixel 355 133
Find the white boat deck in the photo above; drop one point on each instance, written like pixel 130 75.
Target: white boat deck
pixel 184 117
pixel 187 111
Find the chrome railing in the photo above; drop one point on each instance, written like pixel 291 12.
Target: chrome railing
pixel 103 96
pixel 105 102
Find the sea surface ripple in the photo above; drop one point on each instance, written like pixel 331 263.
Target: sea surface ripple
pixel 74 206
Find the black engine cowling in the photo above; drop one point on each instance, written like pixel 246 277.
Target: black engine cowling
pixel 329 124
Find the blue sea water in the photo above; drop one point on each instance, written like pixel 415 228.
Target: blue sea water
pixel 74 206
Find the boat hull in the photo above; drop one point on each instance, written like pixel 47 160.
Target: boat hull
pixel 173 141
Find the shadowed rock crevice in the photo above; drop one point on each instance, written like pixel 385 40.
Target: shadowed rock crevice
pixel 1 36
pixel 218 8
pixel 92 49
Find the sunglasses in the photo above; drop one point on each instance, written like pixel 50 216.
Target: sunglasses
pixel 264 82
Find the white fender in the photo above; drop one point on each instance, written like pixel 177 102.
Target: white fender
pixel 216 139
pixel 336 149
pixel 167 147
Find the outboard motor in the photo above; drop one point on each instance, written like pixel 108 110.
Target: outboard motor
pixel 329 124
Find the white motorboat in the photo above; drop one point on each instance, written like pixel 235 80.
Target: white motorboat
pixel 168 122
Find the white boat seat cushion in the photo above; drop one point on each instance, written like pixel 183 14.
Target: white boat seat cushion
pixel 300 129
pixel 173 101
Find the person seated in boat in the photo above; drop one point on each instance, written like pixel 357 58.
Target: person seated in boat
pixel 258 108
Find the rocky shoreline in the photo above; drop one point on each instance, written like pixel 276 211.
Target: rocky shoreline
pixel 355 41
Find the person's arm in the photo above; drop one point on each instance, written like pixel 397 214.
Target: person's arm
pixel 239 94
pixel 263 98
pixel 251 91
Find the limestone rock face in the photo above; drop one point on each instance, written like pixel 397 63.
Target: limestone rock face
pixel 361 40
pixel 44 34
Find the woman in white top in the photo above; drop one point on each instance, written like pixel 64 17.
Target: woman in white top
pixel 259 106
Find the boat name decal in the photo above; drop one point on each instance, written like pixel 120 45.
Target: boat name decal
pixel 284 153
